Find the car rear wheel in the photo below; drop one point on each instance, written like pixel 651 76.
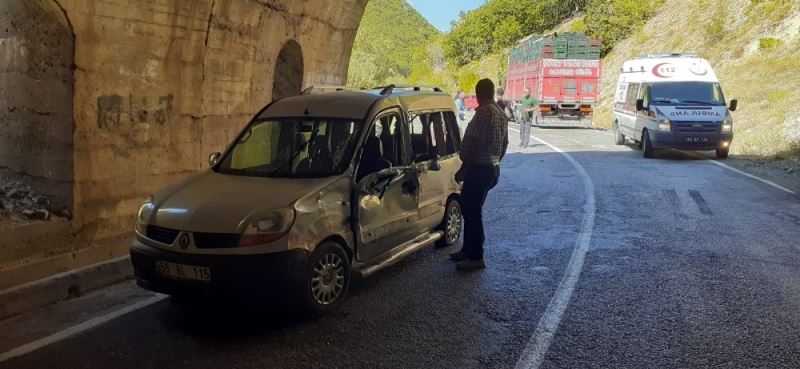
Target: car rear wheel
pixel 722 153
pixel 327 279
pixel 451 225
pixel 619 138
pixel 647 146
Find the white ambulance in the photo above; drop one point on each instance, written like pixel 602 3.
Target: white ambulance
pixel 672 101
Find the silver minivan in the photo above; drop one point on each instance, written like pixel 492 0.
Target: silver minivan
pixel 315 188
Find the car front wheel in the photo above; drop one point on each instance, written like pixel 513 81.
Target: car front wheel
pixel 452 224
pixel 327 279
pixel 722 153
pixel 647 146
pixel 619 138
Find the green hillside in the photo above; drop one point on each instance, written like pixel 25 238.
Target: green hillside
pixel 392 36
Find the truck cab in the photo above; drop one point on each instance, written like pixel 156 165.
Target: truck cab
pixel 672 101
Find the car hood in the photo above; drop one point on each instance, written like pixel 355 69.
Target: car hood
pixel 219 203
pixel 692 113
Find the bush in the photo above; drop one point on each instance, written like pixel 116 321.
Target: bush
pixel 614 20
pixel 578 26
pixel 768 44
pixel 715 30
pixel 776 95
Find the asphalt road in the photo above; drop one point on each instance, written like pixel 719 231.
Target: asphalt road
pixel 689 265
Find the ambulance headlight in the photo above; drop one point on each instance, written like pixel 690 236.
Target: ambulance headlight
pixel 727 124
pixel 664 125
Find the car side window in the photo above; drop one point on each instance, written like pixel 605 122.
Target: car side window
pixel 444 143
pixel 389 131
pixel 420 134
pixel 453 131
pixel 644 94
pixel 633 93
pixel 382 146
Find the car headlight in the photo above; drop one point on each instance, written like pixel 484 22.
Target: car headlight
pixel 267 227
pixel 727 124
pixel 664 125
pixel 144 213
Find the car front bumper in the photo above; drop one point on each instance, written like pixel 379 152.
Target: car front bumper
pixel 689 141
pixel 265 275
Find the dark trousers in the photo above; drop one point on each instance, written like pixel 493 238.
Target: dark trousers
pixel 525 130
pixel 477 183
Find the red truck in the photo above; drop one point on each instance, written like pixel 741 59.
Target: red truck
pixel 562 71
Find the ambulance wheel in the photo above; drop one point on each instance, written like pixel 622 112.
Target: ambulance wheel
pixel 647 146
pixel 619 138
pixel 722 153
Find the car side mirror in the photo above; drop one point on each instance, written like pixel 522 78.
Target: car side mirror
pixel 639 104
pixel 734 104
pixel 213 158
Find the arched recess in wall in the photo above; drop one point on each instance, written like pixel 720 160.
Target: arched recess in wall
pixel 288 76
pixel 36 109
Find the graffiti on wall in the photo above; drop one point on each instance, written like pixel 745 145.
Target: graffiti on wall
pixel 116 111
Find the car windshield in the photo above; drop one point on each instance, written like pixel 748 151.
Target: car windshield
pixel 691 93
pixel 292 147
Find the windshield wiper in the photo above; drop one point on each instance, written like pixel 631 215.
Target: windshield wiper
pixel 698 102
pixel 296 153
pixel 663 99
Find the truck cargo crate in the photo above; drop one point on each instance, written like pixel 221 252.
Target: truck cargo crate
pixel 562 73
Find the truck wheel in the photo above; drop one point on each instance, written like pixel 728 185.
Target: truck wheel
pixel 619 138
pixel 722 153
pixel 452 224
pixel 647 146
pixel 326 281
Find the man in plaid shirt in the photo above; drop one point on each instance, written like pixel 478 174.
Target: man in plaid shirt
pixel 483 146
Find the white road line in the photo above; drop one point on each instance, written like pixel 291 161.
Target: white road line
pixel 71 331
pixel 535 350
pixel 726 166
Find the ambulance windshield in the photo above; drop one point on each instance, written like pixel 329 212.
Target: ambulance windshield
pixel 687 93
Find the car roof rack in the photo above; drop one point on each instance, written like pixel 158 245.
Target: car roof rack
pixel 668 55
pixel 322 88
pixel 385 90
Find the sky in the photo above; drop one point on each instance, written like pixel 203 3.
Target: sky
pixel 441 12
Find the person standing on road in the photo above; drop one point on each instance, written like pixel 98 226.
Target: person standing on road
pixel 461 106
pixel 504 104
pixel 483 147
pixel 529 104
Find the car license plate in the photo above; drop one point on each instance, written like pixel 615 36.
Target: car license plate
pixel 697 140
pixel 183 271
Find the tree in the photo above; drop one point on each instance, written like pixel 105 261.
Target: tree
pixel 501 23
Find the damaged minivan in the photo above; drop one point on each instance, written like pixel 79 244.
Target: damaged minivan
pixel 316 188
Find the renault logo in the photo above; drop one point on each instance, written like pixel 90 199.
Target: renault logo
pixel 183 241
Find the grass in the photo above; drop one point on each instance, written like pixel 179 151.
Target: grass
pixel 769 44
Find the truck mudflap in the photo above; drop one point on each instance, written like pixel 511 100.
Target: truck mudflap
pixel 558 121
